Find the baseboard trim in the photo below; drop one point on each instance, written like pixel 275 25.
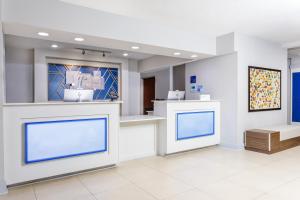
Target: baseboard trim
pixel 60 176
pixel 3 188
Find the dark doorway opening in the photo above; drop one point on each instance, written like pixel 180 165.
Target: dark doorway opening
pixel 149 93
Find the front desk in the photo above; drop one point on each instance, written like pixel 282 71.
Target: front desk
pixel 138 136
pixel 189 124
pixel 43 140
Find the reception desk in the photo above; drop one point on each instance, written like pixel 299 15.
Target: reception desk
pixel 189 124
pixel 138 136
pixel 43 140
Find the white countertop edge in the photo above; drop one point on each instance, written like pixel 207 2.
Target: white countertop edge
pixel 61 103
pixel 139 118
pixel 183 101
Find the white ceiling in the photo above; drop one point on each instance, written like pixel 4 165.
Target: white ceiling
pixel 275 20
pixel 31 43
pixel 113 45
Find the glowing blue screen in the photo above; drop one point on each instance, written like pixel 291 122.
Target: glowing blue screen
pixel 59 139
pixel 195 124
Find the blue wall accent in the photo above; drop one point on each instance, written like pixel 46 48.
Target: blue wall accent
pixel 50 140
pixel 296 97
pixel 57 80
pixel 195 124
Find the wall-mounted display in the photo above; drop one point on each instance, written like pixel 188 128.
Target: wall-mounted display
pixel 193 79
pixel 102 80
pixel 264 89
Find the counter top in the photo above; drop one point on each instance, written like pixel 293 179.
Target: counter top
pixel 61 103
pixel 183 101
pixel 139 118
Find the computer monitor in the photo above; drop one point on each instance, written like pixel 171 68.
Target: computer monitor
pixel 176 95
pixel 73 95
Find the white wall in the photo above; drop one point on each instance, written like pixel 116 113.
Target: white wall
pixel 226 78
pixel 19 75
pixel 178 78
pixel 2 78
pixel 257 52
pixel 134 88
pixel 295 62
pixel 218 75
pixel 41 72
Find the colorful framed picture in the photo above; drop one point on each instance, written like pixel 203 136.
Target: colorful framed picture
pixel 264 89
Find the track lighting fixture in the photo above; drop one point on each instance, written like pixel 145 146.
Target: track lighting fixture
pixel 103 53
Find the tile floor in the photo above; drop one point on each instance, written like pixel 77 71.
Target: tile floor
pixel 214 173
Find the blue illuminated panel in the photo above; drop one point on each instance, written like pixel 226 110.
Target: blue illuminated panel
pixel 296 97
pixel 51 140
pixel 195 124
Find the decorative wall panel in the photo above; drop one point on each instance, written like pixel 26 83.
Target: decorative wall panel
pixel 57 79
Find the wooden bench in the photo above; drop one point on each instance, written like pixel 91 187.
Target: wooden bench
pixel 272 140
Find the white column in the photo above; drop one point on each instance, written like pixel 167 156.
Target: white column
pixel 3 188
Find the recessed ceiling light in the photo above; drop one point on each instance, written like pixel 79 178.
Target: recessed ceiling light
pixel 125 54
pixel 135 47
pixel 79 39
pixel 43 34
pixel 177 54
pixel 194 56
pixel 54 46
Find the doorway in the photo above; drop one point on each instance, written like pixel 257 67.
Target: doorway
pixel 149 94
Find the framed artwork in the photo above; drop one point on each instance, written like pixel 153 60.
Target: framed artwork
pixel 264 89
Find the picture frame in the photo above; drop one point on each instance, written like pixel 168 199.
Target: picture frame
pixel 264 89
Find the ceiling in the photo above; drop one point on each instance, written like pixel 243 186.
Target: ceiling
pixel 118 46
pixel 31 43
pixel 274 20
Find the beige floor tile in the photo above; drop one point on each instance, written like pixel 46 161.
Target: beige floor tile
pixel 164 187
pixel 20 193
pixel 263 178
pixel 225 190
pixel 288 191
pixel 128 192
pixel 193 194
pixel 64 189
pixel 218 173
pixel 140 174
pixel 97 182
pixel 168 165
pixel 203 175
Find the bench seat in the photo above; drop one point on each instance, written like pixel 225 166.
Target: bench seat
pixel 286 131
pixel 272 139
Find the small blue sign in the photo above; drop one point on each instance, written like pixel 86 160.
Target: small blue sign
pixel 193 79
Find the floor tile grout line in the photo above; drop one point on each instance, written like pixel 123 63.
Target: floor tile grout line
pixel 34 192
pixel 77 177
pixel 269 190
pixel 168 175
pixel 138 186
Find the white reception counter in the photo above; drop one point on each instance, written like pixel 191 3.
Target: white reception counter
pixel 189 124
pixel 43 140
